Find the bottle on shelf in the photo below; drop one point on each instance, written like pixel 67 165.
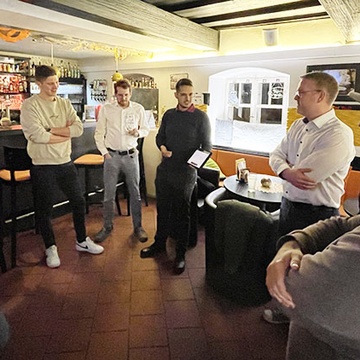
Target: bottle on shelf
pixel 32 69
pixel 62 69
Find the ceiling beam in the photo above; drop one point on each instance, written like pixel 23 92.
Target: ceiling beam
pixel 274 21
pixel 346 16
pixel 138 17
pixel 258 11
pixel 187 5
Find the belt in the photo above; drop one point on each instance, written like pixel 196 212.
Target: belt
pixel 122 153
pixel 306 206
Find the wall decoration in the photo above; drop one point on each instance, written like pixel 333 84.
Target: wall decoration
pixel 174 78
pixel 347 76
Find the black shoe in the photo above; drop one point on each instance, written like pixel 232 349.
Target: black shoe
pixel 103 234
pixel 179 266
pixel 152 251
pixel 140 234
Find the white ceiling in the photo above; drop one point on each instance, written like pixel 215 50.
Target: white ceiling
pixel 131 26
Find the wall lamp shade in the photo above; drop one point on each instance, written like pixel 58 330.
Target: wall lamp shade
pixel 271 36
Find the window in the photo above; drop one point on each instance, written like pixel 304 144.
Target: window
pixel 248 108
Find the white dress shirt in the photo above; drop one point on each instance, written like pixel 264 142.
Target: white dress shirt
pixel 325 145
pixel 113 125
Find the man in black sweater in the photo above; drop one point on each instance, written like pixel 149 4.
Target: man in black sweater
pixel 183 130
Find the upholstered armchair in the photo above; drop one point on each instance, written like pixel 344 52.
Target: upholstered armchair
pixel 240 243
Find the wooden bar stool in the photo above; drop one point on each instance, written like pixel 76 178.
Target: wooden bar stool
pixel 96 161
pixel 15 173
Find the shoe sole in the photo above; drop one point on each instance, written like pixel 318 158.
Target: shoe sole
pixel 101 239
pixel 146 256
pixel 80 249
pixel 52 266
pixel 274 322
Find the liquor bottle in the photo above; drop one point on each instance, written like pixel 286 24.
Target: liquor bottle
pixel 62 69
pixel 32 69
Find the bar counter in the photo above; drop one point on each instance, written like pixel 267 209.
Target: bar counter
pixel 14 137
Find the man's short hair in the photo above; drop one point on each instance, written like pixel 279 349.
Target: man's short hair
pixel 123 83
pixel 324 81
pixel 44 71
pixel 183 82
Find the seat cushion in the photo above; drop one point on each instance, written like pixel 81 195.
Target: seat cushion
pixel 89 159
pixel 22 175
pixel 212 164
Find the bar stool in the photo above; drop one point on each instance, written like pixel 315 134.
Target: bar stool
pixel 96 161
pixel 15 173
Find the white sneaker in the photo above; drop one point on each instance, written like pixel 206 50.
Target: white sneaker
pixel 52 257
pixel 89 246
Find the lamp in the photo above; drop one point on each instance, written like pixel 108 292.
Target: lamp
pixel 270 36
pixel 118 55
pixel 13 35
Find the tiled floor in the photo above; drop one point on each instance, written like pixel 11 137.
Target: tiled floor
pixel 119 306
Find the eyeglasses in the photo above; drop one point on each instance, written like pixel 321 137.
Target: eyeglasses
pixel 300 93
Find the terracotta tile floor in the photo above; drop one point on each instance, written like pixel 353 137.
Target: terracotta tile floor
pixel 119 306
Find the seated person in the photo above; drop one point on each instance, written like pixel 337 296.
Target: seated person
pixel 316 279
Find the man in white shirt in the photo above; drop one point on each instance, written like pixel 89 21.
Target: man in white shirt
pixel 313 158
pixel 119 126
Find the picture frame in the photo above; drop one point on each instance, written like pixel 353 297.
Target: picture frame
pixel 347 76
pixel 174 78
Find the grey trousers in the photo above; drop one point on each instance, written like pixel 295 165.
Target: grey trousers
pixel 302 345
pixel 129 166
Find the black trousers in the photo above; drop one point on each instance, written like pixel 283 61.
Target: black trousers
pixel 295 215
pixel 46 180
pixel 173 198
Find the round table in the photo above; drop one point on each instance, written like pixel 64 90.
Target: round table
pixel 351 206
pixel 262 198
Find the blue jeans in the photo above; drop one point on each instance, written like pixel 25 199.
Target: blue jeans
pixel 129 166
pixel 46 180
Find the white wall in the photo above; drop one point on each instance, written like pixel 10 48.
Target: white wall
pixel 292 62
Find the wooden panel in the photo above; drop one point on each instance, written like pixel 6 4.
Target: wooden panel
pixel 349 117
pixel 257 164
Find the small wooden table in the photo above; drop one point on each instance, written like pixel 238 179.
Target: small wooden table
pixel 261 197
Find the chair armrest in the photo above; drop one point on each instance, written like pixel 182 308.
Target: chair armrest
pixel 211 175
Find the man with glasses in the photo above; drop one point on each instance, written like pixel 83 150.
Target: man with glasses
pixel 313 159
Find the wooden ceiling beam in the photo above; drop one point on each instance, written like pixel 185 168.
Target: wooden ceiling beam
pixel 138 17
pixel 346 16
pixel 274 21
pixel 258 11
pixel 188 5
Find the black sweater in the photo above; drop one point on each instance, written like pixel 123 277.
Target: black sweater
pixel 182 132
